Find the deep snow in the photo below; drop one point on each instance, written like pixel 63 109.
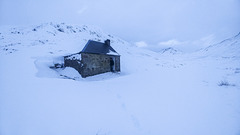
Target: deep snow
pixel 155 93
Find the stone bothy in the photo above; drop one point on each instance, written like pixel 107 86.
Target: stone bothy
pixel 95 58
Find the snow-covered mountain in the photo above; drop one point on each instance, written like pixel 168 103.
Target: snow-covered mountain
pixel 51 34
pixel 170 51
pixel 153 94
pixel 228 48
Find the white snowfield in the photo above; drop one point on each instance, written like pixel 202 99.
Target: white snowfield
pixel 154 94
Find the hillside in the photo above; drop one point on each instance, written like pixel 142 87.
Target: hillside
pixel 155 93
pixel 228 48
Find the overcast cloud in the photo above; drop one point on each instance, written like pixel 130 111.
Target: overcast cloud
pixel 149 21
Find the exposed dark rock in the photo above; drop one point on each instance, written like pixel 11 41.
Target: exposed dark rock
pixel 60 30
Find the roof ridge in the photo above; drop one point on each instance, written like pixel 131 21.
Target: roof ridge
pixel 85 46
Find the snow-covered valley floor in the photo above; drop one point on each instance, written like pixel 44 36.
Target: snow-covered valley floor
pixel 154 94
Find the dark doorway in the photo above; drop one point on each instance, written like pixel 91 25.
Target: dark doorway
pixel 112 64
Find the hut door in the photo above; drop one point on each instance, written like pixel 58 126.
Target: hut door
pixel 112 63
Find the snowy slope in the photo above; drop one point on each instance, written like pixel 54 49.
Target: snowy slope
pixel 228 48
pixel 153 94
pixel 50 40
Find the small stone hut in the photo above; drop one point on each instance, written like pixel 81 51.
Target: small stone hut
pixel 95 58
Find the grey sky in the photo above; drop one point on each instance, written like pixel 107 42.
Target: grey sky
pixel 152 21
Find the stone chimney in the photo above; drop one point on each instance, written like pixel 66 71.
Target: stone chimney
pixel 107 42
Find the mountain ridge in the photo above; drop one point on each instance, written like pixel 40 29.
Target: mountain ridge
pixel 228 48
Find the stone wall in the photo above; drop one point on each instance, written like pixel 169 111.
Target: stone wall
pixel 92 64
pixel 117 63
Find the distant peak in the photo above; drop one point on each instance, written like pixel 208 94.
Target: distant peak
pixel 170 50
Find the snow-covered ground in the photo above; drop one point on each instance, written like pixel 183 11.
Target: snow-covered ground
pixel 154 94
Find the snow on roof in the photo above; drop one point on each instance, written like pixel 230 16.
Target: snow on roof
pixel 112 53
pixel 76 56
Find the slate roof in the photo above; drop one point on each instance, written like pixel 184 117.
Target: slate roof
pixel 98 48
